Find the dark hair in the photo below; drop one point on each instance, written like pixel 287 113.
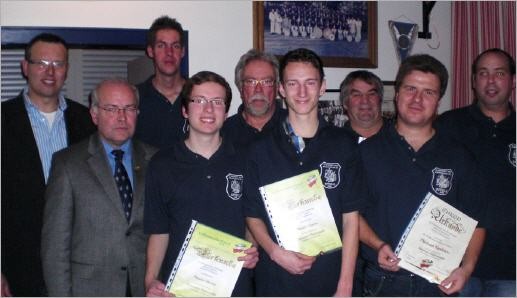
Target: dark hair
pixel 161 23
pixel 301 55
pixel 364 76
pixel 43 37
pixel 254 55
pixel 509 60
pixel 204 77
pixel 424 63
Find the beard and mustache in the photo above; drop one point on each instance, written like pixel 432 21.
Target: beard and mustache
pixel 252 109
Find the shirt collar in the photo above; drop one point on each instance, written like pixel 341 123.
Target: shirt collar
pixel 126 147
pixel 30 105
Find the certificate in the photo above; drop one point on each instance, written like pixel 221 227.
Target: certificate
pixel 300 214
pixel 435 240
pixel 207 264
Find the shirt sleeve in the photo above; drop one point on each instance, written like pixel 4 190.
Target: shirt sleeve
pixel 253 204
pixel 156 218
pixel 353 195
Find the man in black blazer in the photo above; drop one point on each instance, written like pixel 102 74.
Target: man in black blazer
pixel 35 124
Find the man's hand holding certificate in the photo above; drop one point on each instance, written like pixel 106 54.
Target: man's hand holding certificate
pixel 300 214
pixel 435 241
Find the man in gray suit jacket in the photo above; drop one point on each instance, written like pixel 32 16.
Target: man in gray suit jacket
pixel 93 242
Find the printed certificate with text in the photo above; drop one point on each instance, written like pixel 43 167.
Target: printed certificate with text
pixel 435 240
pixel 300 214
pixel 207 265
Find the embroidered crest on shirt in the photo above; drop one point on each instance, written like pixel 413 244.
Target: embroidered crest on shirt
pixel 511 154
pixel 330 174
pixel 442 181
pixel 234 185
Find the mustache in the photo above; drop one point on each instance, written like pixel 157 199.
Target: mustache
pixel 258 97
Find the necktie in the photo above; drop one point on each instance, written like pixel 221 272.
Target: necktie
pixel 123 184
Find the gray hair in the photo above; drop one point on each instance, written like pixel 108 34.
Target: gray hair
pixel 253 55
pixel 362 75
pixel 94 95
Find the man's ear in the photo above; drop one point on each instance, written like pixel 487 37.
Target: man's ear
pixel 281 90
pixel 25 67
pixel 323 87
pixel 149 52
pixel 184 112
pixel 94 113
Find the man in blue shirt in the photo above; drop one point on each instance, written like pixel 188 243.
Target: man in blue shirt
pixel 160 122
pixel 487 129
pixel 403 163
pixel 93 241
pixel 35 124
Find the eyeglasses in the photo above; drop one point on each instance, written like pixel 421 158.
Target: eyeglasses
pixel 113 110
pixel 254 82
pixel 217 102
pixel 45 64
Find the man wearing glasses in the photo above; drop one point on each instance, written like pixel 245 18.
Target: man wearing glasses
pixel 35 124
pixel 93 243
pixel 200 178
pixel 256 77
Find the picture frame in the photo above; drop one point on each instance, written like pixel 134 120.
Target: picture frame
pixel 348 37
pixel 332 110
pixel 388 99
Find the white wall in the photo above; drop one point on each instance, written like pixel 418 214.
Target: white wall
pixel 221 31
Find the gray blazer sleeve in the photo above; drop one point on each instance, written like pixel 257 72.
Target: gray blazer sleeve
pixel 57 230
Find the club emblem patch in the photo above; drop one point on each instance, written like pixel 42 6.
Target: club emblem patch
pixel 511 154
pixel 234 185
pixel 330 174
pixel 442 181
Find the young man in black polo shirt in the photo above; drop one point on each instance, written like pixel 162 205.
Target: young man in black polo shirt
pixel 200 178
pixel 487 129
pixel 304 142
pixel 404 162
pixel 160 122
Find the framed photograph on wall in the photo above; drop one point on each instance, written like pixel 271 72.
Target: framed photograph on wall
pixel 342 33
pixel 330 107
pixel 332 110
pixel 388 100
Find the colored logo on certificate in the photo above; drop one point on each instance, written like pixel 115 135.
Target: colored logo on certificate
pixel 442 181
pixel 311 180
pixel 330 174
pixel 234 185
pixel 239 247
pixel 426 263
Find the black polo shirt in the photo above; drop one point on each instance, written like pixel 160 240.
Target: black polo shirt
pixel 182 185
pixel 493 145
pixel 348 127
pixel 159 123
pixel 274 158
pixel 242 134
pixel 398 179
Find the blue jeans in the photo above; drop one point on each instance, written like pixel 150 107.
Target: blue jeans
pixel 477 287
pixel 381 283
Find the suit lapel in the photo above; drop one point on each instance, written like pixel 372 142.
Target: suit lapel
pixel 140 161
pixel 24 130
pixel 99 165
